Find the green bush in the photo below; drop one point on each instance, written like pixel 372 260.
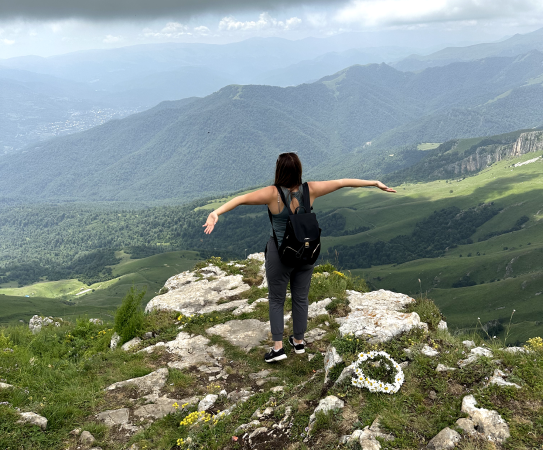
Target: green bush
pixel 129 318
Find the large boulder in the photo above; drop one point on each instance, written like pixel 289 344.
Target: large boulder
pixel 487 422
pixel 199 292
pixel 377 316
pixel 245 334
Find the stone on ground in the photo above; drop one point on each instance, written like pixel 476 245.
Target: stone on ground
pixel 318 308
pixel 443 368
pixel 429 351
pixel 377 317
pixel 113 417
pixel 316 334
pixel 5 386
pixel 466 425
pixel 346 374
pixel 115 339
pixel 207 402
pixel 446 439
pixel 487 422
pixel 245 334
pixel 442 325
pixel 161 407
pixel 189 294
pixel 86 438
pixel 331 359
pixel 146 384
pixel 475 354
pixel 132 343
pixel 325 405
pixel 189 350
pixel 498 378
pixel 33 419
pixel 367 436
pixel 37 322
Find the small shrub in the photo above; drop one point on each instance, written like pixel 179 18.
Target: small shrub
pixel 129 318
pixel 427 311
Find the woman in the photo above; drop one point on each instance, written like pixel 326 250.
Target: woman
pixel 288 175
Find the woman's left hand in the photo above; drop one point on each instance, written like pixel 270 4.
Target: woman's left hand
pixel 384 187
pixel 210 222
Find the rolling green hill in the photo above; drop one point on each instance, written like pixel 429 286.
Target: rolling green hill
pixel 69 298
pixel 201 147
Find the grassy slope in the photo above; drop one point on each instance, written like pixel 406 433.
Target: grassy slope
pixel 58 298
pixel 517 190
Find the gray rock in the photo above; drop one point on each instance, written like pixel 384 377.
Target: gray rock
pixel 316 334
pixel 260 375
pixel 276 389
pixel 75 432
pixel 114 417
pixel 325 405
pixel 468 344
pixel 87 439
pixel 96 321
pixel 515 350
pixel 247 426
pixel 33 419
pixel 446 439
pixel 37 322
pixel 331 359
pixel 207 402
pixel 148 335
pixel 148 383
pixel 132 343
pixel 161 407
pixel 368 436
pixel 115 339
pixel 346 374
pixel 190 350
pixel 443 368
pixel 498 379
pixel 475 353
pixel 245 334
pixel 256 432
pixel 487 422
pixel 189 294
pixel 442 325
pixel 376 316
pixel 318 308
pixel 429 351
pixel 257 256
pixel 466 425
pixel 242 309
pixel 5 386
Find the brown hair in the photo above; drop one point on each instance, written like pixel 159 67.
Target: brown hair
pixel 288 170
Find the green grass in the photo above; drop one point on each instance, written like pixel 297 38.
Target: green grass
pixel 428 146
pixel 58 297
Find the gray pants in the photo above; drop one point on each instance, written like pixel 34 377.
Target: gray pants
pixel 278 276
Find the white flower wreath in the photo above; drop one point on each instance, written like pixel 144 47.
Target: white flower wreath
pixel 362 380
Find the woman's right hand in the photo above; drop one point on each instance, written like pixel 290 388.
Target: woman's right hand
pixel 210 222
pixel 384 187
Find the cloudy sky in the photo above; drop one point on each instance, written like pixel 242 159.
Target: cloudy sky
pixel 48 27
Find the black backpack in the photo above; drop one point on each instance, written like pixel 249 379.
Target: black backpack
pixel 302 241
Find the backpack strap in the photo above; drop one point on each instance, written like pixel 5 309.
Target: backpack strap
pixel 271 218
pixel 307 200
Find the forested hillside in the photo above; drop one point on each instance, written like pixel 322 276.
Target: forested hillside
pixel 365 115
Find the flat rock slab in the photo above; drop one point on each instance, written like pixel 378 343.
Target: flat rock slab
pixel 189 350
pixel 5 386
pixel 161 407
pixel 446 439
pixel 381 299
pixel 189 294
pixel 146 384
pixel 375 316
pixel 33 419
pixel 245 334
pixel 114 417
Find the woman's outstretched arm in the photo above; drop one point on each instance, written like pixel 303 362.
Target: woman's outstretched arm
pixel 320 188
pixel 262 196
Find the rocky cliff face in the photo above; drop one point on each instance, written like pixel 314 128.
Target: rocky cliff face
pixel 485 156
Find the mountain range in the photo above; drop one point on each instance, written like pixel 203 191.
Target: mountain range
pixel 357 117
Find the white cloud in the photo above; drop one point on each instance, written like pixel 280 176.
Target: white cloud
pixel 7 41
pixel 398 12
pixel 264 22
pixel 202 30
pixel 172 30
pixel 110 39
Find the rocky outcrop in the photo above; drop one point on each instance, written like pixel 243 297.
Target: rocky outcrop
pixel 146 384
pixel 245 334
pixel 199 293
pixel 377 316
pixel 485 156
pixel 37 322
